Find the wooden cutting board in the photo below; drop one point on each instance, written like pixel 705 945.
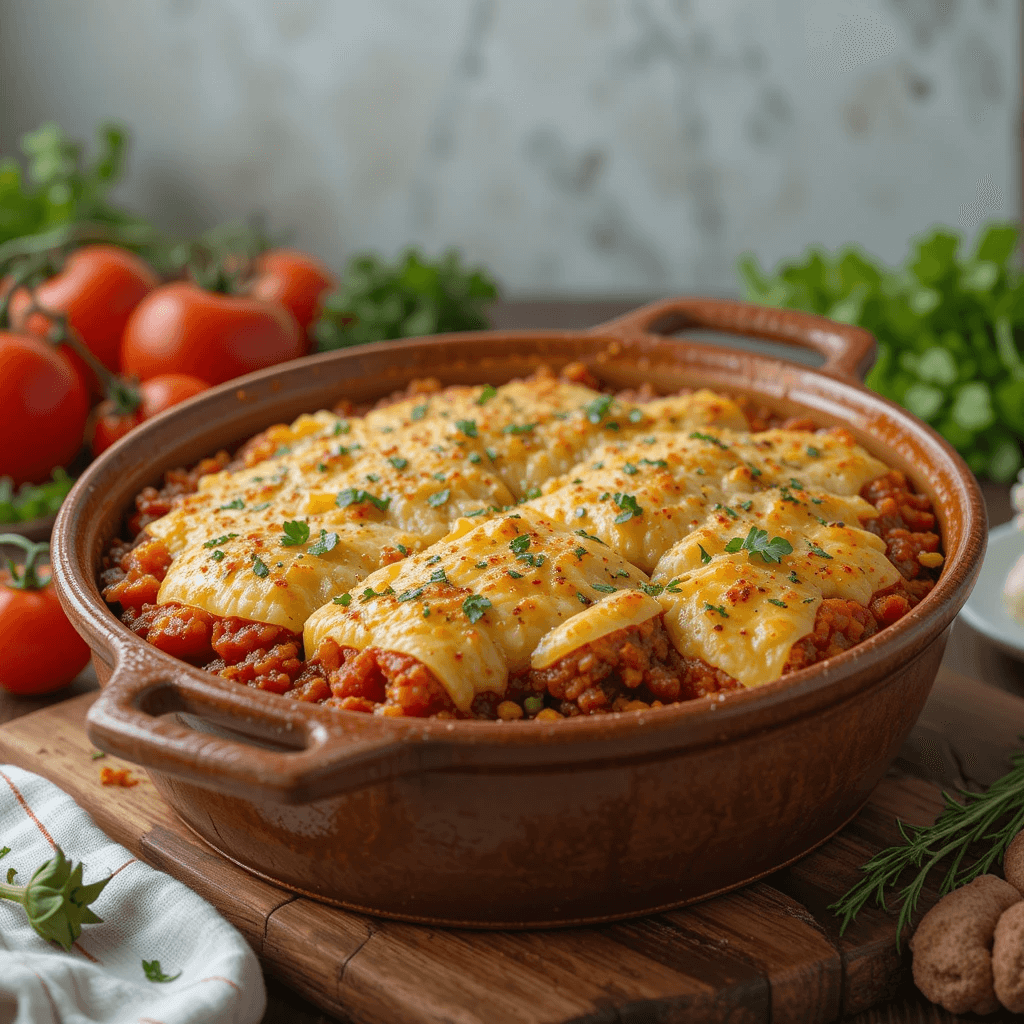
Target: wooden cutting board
pixel 769 952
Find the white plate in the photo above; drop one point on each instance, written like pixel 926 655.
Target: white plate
pixel 984 610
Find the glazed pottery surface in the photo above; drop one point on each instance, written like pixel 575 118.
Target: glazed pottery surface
pixel 525 824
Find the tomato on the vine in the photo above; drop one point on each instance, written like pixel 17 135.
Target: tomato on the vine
pixel 114 417
pixel 42 651
pixel 295 280
pixel 43 409
pixel 180 328
pixel 96 289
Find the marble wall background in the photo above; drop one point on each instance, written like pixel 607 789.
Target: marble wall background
pixel 626 147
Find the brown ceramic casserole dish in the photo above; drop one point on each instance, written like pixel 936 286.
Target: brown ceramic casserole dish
pixel 497 825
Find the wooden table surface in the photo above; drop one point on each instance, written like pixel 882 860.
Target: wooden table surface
pixel 967 653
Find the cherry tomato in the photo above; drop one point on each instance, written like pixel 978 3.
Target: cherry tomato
pixel 43 409
pixel 180 328
pixel 42 651
pixel 295 280
pixel 97 290
pixel 107 424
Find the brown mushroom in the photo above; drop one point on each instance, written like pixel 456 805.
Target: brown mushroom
pixel 1008 959
pixel 1013 862
pixel 953 946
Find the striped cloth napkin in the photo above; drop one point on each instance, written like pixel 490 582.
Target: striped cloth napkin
pixel 147 917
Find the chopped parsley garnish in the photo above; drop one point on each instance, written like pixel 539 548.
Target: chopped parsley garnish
pixel 534 560
pixel 322 467
pixel 418 412
pixel 409 595
pixel 795 484
pixel 295 532
pixel 629 507
pixel 813 452
pixel 793 578
pixel 478 512
pixel 533 492
pixel 672 587
pixel 398 462
pixel 605 588
pixel 468 427
pixel 589 536
pixel 651 589
pixel 818 551
pixel 808 600
pixel 704 556
pixel 579 552
pixel 629 469
pixel 745 505
pixel 582 598
pixel 357 496
pixel 368 594
pixel 598 408
pixel 217 541
pixel 515 575
pixel 438 576
pixel 259 567
pixel 440 477
pixel 260 507
pixel 326 542
pixel 342 427
pixel 402 548
pixel 597 465
pixel 660 463
pixel 623 573
pixel 438 498
pixel 520 544
pixel 719 507
pixel 344 600
pixel 488 392
pixel 481 565
pixel 786 496
pixel 474 457
pixel 815 501
pixel 757 543
pixel 426 611
pixel 433 560
pixel 709 607
pixel 235 503
pixel 517 428
pixel 696 435
pixel 635 415
pixel 491 454
pixel 151 968
pixel 218 555
pixel 777 602
pixel 474 606
pixel 754 471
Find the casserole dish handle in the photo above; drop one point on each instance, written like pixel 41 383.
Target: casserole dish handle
pixel 849 351
pixel 285 754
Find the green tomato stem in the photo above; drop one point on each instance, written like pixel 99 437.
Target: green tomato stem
pixel 28 579
pixel 14 893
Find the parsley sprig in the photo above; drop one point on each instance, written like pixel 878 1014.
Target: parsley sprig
pixel 758 544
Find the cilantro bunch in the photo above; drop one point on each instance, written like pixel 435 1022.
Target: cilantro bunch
pixel 950 330
pixel 379 299
pixel 33 501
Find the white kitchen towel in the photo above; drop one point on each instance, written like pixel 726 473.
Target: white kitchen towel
pixel 147 915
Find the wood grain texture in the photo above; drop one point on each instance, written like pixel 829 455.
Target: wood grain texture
pixel 769 952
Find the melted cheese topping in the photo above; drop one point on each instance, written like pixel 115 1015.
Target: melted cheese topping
pixel 377 506
pixel 476 606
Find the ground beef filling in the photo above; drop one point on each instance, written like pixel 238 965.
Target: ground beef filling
pixel 633 668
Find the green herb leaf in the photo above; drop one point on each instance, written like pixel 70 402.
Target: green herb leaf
pixel 259 567
pixel 295 532
pixel 697 435
pixel 343 599
pixel 468 427
pixel 629 507
pixel 217 541
pixel 357 496
pixel 488 392
pixel 326 542
pixel 704 556
pixel 439 498
pixel 418 412
pixel 516 428
pixel 604 588
pixel 520 544
pixel 708 607
pixel 652 589
pixel 474 607
pixel 154 973
pixel 629 469
pixel 438 576
pixel 818 551
pixel 598 408
pixel 235 503
pixel 218 555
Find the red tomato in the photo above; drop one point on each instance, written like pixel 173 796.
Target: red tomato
pixel 108 425
pixel 294 280
pixel 43 409
pixel 42 651
pixel 179 328
pixel 98 288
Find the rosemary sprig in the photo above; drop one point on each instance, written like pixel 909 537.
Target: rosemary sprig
pixel 993 816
